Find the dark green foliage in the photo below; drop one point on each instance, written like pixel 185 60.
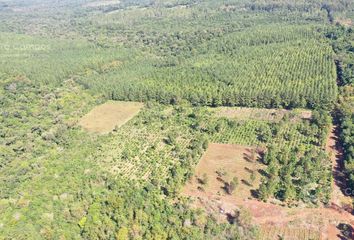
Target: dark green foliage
pixel 346 122
pixel 347 137
pixel 298 172
pixel 293 176
pixel 342 43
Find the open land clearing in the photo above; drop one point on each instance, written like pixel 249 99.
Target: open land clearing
pixel 104 118
pixel 102 3
pixel 231 160
pixel 262 114
pixel 347 22
pixel 275 220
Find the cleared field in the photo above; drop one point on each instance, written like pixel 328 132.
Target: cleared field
pixel 232 161
pixel 347 22
pixel 262 114
pixel 104 118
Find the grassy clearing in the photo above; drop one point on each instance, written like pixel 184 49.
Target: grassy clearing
pixel 106 117
pixel 102 3
pixel 261 114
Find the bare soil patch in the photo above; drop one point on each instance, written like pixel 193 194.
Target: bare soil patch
pixel 104 118
pixel 274 115
pixel 232 161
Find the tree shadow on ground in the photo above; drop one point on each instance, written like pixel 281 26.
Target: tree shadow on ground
pixel 346 231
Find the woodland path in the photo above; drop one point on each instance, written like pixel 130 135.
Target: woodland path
pixel 340 200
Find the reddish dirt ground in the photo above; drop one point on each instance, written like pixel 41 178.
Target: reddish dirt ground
pixel 336 153
pixel 339 200
pixel 236 161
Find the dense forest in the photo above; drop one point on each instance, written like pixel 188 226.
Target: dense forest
pixel 206 62
pixel 182 59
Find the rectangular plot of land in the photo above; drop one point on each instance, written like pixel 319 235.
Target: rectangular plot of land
pixel 104 118
pixel 102 3
pixel 262 114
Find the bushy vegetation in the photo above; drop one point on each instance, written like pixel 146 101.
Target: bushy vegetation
pixel 296 174
pixel 347 130
pixel 298 168
pixel 180 57
pixel 151 218
pixel 156 152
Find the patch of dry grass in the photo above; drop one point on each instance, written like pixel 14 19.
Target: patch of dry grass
pixel 104 118
pixel 102 3
pixel 262 114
